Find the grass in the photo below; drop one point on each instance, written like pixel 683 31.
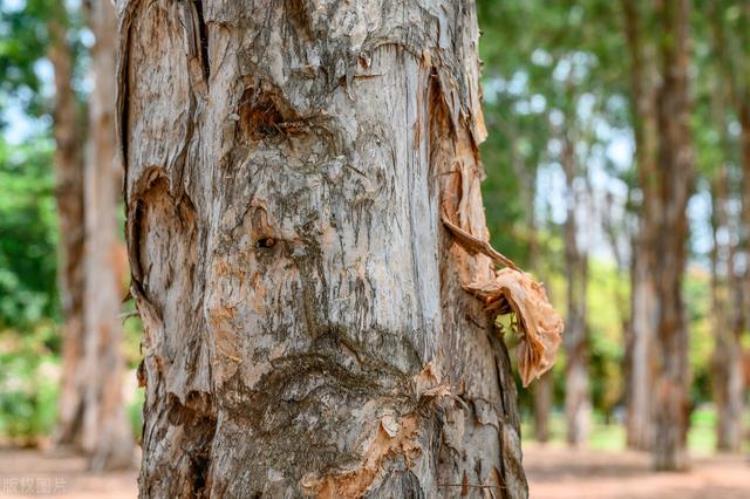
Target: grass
pixel 611 437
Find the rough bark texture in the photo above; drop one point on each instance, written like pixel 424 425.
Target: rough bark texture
pixel 107 435
pixel 639 427
pixel 674 180
pixel 287 163
pixel 577 400
pixel 69 196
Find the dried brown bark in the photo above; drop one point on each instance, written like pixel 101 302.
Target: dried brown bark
pixel 107 436
pixel 306 330
pixel 68 161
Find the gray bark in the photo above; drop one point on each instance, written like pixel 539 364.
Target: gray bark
pixel 306 330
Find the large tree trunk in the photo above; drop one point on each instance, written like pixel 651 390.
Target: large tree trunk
pixel 107 435
pixel 306 331
pixel 577 401
pixel 639 426
pixel 674 180
pixel 69 195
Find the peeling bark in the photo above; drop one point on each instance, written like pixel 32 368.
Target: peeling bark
pixel 306 330
pixel 68 163
pixel 107 437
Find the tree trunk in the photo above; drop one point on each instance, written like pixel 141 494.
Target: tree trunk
pixel 639 426
pixel 69 195
pixel 107 435
pixel 577 401
pixel 674 180
pixel 727 355
pixel 306 330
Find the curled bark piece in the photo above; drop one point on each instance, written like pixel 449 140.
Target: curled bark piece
pixel 512 290
pixel 540 325
pixel 474 245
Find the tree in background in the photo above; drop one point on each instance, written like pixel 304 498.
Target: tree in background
pixel 643 295
pixel 68 162
pixel 673 182
pixel 89 276
pixel 107 435
pixel 728 46
pixel 577 395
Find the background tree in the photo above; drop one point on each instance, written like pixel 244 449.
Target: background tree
pixel 70 207
pixel 107 434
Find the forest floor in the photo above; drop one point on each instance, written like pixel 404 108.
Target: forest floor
pixel 554 472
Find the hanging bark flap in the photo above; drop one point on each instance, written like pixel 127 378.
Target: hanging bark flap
pixel 540 325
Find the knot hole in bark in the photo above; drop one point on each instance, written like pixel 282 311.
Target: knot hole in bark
pixel 262 232
pixel 259 114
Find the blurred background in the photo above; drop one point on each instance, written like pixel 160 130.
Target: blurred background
pixel 618 172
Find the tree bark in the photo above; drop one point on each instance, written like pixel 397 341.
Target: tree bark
pixel 674 179
pixel 640 347
pixel 107 434
pixel 577 400
pixel 68 163
pixel 306 330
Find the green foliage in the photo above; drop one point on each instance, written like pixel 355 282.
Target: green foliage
pixel 28 384
pixel 28 235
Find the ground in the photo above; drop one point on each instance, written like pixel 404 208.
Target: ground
pixel 554 472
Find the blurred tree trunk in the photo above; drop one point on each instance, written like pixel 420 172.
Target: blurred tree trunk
pixel 577 401
pixel 727 356
pixel 107 434
pixel 728 310
pixel 639 426
pixel 674 180
pixel 68 162
pixel 527 177
pixel 306 330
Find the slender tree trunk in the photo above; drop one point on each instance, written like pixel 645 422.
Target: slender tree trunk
pixel 542 388
pixel 643 324
pixel 527 176
pixel 675 177
pixel 727 355
pixel 107 434
pixel 577 401
pixel 69 195
pixel 728 310
pixel 306 330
